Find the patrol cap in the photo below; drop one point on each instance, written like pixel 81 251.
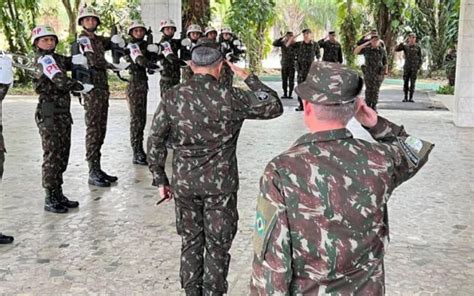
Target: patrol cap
pixel 375 36
pixel 412 35
pixel 330 84
pixel 206 52
pixel 332 32
pixel 289 33
pixel 306 31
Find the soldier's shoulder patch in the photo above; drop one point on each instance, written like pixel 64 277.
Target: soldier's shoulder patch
pixel 49 66
pixel 262 96
pixel 414 149
pixel 86 44
pixel 264 223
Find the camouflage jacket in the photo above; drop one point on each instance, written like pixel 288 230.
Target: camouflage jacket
pixel 413 56
pixel 288 54
pixel 3 93
pixel 96 59
pixel 171 67
pixel 305 53
pixel 321 214
pixel 201 121
pixel 55 89
pixel 332 51
pixel 375 60
pixel 138 61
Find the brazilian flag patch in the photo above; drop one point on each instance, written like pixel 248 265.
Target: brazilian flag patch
pixel 264 223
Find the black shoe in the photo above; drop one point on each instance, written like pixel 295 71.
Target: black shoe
pixel 108 178
pixel 96 179
pixel 405 100
pixel 139 157
pixel 5 239
pixel 299 109
pixel 65 201
pixel 411 101
pixel 52 204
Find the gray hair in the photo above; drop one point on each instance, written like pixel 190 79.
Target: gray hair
pixel 342 113
pixel 204 56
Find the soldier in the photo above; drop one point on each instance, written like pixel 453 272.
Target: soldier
pixel 137 89
pixel 321 222
pixel 193 34
pixel 375 68
pixel 171 73
pixel 201 121
pixel 450 64
pixel 211 33
pixel 5 81
pixel 413 62
pixel 287 65
pixel 96 102
pixel 368 36
pixel 306 51
pixel 231 49
pixel 53 116
pixel 332 48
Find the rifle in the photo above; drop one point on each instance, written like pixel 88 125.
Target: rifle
pixel 153 57
pixel 79 73
pixel 117 51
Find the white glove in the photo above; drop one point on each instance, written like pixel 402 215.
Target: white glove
pixel 167 50
pixel 120 66
pixel 186 42
pixel 87 88
pixel 153 48
pixel 117 39
pixel 79 59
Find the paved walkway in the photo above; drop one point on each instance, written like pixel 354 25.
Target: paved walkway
pixel 119 243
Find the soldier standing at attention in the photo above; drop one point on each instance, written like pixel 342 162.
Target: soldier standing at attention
pixel 96 102
pixel 211 33
pixel 376 67
pixel 306 51
pixel 201 121
pixel 413 62
pixel 332 48
pixel 287 65
pixel 171 73
pixel 53 115
pixel 137 88
pixel 231 52
pixel 321 223
pixel 193 33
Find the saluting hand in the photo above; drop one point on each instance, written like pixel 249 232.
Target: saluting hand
pixel 364 114
pixel 242 73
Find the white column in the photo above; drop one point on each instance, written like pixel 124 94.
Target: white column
pixel 153 11
pixel 464 89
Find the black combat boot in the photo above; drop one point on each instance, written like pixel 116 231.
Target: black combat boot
pixel 291 93
pixel 139 156
pixel 411 98
pixel 5 239
pixel 65 201
pixel 109 178
pixel 95 175
pixel 406 97
pixel 285 96
pixel 52 204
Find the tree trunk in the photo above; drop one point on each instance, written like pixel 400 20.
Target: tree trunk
pixel 196 12
pixel 71 15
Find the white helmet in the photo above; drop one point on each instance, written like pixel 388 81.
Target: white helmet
pixel 136 24
pixel 226 31
pixel 167 23
pixel 85 12
pixel 209 30
pixel 194 28
pixel 42 31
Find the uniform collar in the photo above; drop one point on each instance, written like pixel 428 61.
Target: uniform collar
pixel 203 77
pixel 325 136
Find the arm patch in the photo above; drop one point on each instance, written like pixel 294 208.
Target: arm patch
pixel 135 51
pixel 86 44
pixel 265 222
pixel 414 149
pixel 49 65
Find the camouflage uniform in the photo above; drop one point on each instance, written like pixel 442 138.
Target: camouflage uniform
pixel 171 73
pixel 202 120
pixel 375 62
pixel 3 93
pixel 450 64
pixel 96 102
pixel 321 225
pixel 186 56
pixel 413 62
pixel 305 54
pixel 137 91
pixel 287 66
pixel 332 51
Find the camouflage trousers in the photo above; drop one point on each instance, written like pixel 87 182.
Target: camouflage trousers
pixel 303 70
pixel 137 100
pixel 3 93
pixel 187 73
pixel 96 105
pixel 226 78
pixel 206 223
pixel 167 83
pixel 288 77
pixel 372 89
pixel 409 80
pixel 55 132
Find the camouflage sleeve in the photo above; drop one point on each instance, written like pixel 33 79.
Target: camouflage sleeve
pixel 156 145
pixel 106 42
pixel 409 154
pixel 420 56
pixel 271 267
pixel 400 47
pixel 93 59
pixel 384 57
pixel 261 102
pixel 322 43
pixel 278 42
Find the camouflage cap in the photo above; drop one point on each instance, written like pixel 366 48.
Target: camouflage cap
pixel 330 84
pixel 206 52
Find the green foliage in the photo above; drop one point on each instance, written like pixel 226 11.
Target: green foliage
pixel 250 20
pixel 116 12
pixel 350 20
pixel 445 90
